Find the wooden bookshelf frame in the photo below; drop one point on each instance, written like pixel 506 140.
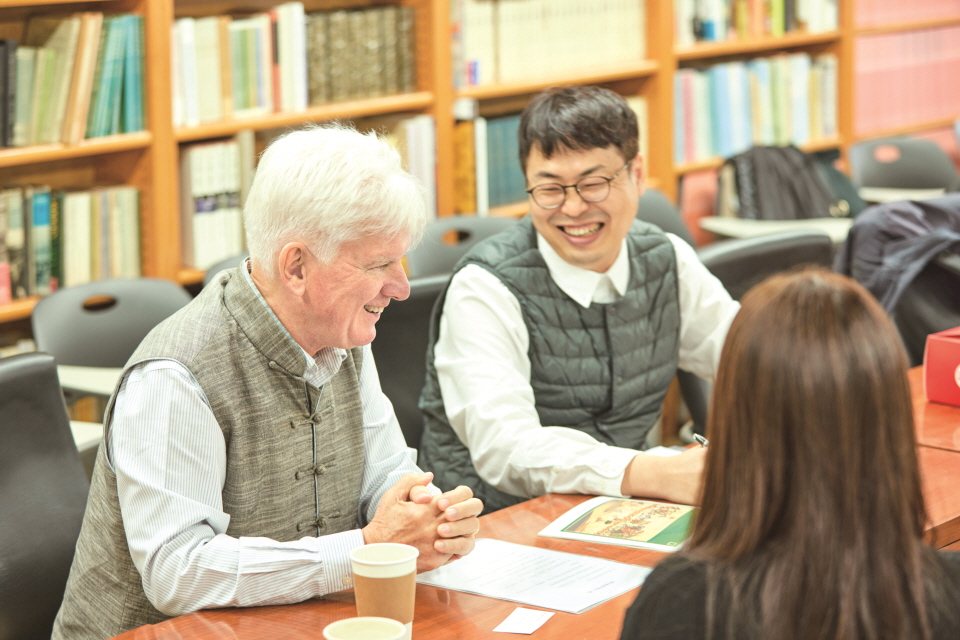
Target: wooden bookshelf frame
pixel 149 159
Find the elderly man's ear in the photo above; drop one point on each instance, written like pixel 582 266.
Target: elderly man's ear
pixel 291 264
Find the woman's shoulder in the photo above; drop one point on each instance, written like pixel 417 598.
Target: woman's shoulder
pixel 950 560
pixel 670 603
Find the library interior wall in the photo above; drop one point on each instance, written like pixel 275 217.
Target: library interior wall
pixel 149 160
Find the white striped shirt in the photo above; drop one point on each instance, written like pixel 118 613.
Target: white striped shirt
pixel 169 455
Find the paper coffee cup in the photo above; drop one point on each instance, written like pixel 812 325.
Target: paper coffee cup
pixel 385 581
pixel 365 629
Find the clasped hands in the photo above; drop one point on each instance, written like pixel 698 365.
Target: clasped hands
pixel 442 527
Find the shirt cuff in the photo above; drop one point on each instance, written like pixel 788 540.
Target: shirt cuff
pixel 338 571
pixel 609 475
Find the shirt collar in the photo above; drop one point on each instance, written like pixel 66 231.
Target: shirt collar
pixel 320 367
pixel 582 284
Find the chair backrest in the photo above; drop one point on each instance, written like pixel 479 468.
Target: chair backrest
pixel 100 324
pixel 930 303
pixel 227 263
pixel 655 208
pixel 901 163
pixel 43 492
pixel 400 350
pixel 741 263
pixel 435 256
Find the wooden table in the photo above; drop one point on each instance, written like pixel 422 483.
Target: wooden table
pixel 938 425
pixel 440 614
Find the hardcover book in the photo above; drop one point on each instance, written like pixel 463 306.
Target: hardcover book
pixel 643 524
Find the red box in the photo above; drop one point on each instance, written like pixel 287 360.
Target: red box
pixel 941 367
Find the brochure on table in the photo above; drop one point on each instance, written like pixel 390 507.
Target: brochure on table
pixel 643 524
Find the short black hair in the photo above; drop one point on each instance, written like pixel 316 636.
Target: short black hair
pixel 578 118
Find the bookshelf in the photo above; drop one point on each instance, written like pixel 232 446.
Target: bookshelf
pixel 149 159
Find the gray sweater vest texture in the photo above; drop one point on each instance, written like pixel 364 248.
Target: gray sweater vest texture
pixel 603 370
pixel 294 452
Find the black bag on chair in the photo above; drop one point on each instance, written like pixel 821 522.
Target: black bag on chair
pixel 784 183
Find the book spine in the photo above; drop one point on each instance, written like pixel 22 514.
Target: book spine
pixel 5 288
pixel 133 76
pixel 17 247
pixel 40 233
pixel 406 48
pixel 56 230
pixel 318 53
pixel 388 50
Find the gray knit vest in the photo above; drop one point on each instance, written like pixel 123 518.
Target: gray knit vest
pixel 294 466
pixel 603 370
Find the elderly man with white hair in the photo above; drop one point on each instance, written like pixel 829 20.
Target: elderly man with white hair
pixel 248 446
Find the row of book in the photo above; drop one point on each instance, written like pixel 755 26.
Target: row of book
pixel 515 40
pixel 234 66
pixel 720 20
pixel 906 77
pixel 216 176
pixel 487 171
pixel 52 238
pixel 877 13
pixel 729 107
pixel 74 76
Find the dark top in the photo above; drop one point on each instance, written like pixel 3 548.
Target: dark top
pixel 671 602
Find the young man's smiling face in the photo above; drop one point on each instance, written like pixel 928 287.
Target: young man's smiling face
pixel 586 234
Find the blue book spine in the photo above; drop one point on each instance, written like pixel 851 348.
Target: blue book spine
pixel 133 75
pixel 41 240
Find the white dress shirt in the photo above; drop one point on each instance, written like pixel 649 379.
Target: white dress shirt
pixel 169 455
pixel 484 372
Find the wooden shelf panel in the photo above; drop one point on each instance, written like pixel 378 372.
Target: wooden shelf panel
pixel 42 3
pixel 15 156
pixel 189 275
pixel 737 47
pixel 339 110
pixel 18 309
pixel 588 76
pixel 906 129
pixel 716 163
pixel 909 26
pixel 515 210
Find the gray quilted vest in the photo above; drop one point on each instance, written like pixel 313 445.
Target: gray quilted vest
pixel 293 467
pixel 603 370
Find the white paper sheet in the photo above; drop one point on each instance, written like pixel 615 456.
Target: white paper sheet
pixel 538 577
pixel 523 621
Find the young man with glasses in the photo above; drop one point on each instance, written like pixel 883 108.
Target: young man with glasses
pixel 557 339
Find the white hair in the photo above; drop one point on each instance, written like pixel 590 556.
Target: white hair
pixel 327 185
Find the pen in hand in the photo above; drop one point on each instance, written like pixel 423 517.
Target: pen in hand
pixel 701 440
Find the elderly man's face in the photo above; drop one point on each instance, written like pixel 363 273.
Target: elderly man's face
pixel 348 295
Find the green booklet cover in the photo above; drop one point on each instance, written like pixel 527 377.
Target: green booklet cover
pixel 645 524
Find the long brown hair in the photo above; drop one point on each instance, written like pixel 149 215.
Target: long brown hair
pixel 812 513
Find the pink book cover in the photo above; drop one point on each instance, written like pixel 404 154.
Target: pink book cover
pixel 5 293
pixel 698 195
pixel 689 132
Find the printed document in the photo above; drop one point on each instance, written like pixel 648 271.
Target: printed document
pixel 537 577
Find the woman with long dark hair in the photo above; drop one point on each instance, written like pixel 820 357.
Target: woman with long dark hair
pixel 812 516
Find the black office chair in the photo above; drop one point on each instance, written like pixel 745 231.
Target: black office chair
pixel 930 303
pixel 100 324
pixel 741 263
pixel 654 207
pixel 228 263
pixel 400 350
pixel 434 255
pixel 901 163
pixel 43 492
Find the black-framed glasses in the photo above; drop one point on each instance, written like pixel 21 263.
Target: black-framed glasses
pixel 591 189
